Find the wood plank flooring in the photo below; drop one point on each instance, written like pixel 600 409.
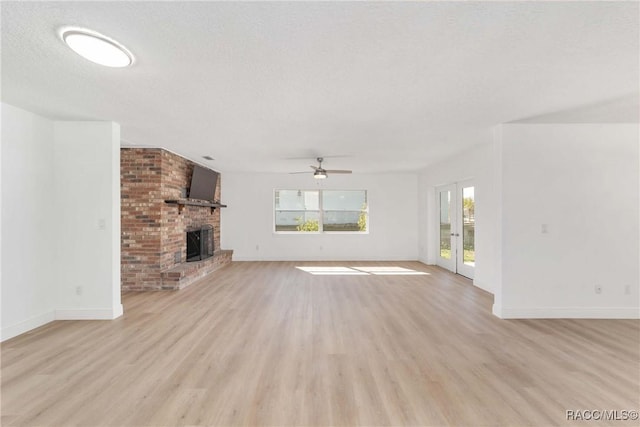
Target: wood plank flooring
pixel 268 344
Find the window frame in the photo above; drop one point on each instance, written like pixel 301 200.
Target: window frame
pixel 320 211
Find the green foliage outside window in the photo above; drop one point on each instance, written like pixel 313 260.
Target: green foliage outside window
pixel 308 225
pixel 362 218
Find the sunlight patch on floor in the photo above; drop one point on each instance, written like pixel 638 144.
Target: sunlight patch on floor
pixel 332 271
pixel 360 271
pixel 382 271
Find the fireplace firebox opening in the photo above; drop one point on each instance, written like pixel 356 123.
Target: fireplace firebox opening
pixel 200 243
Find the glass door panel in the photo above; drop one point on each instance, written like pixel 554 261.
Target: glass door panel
pixel 445 224
pixel 466 207
pixel 446 220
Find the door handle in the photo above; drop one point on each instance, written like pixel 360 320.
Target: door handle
pixel 455 234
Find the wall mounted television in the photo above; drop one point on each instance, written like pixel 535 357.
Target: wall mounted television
pixel 203 184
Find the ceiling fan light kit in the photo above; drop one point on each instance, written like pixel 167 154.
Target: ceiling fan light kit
pixel 320 173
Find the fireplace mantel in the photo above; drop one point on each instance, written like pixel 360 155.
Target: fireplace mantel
pixel 186 202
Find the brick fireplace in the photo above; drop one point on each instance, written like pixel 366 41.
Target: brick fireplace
pixel 154 242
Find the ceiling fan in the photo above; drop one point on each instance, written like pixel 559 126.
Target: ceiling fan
pixel 320 173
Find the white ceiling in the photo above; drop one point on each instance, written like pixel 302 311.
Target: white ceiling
pixel 395 86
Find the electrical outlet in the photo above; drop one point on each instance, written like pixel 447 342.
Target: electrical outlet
pixel 257 247
pixel 598 289
pixel 102 224
pixel 627 290
pixel 78 290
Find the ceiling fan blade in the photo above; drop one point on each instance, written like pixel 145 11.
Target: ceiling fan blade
pixel 315 168
pixel 293 173
pixel 337 171
pixel 315 156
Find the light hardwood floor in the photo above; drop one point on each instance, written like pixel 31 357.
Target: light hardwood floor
pixel 267 344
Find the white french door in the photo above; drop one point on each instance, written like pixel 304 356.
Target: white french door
pixel 456 227
pixel 445 198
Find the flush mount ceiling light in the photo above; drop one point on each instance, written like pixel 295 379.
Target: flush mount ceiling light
pixel 97 48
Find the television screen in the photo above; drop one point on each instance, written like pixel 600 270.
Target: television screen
pixel 203 184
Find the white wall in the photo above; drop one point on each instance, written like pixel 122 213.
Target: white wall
pixel 28 226
pixel 481 164
pixel 247 222
pixel 1 148
pixel 87 188
pixel 581 180
pixel 58 180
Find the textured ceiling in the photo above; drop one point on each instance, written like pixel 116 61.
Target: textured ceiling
pixel 393 86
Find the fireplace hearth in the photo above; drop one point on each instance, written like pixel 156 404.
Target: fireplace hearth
pixel 200 243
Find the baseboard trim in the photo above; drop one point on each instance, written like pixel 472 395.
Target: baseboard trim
pixel 118 311
pixel 567 312
pixel 485 287
pixel 27 325
pixel 67 314
pixel 318 258
pixel 497 310
pixel 424 260
pixel 90 313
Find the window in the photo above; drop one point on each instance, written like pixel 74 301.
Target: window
pixel 304 211
pixel 344 210
pixel 297 210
